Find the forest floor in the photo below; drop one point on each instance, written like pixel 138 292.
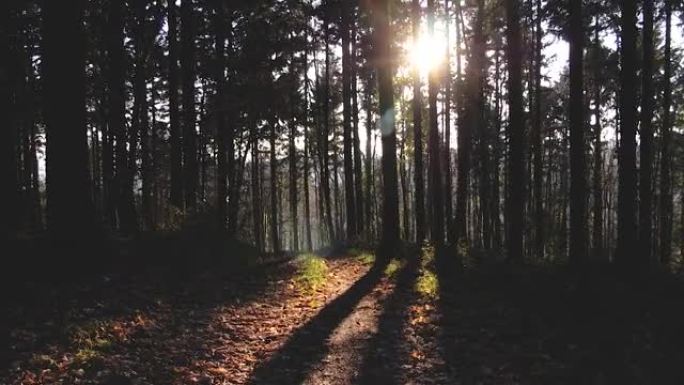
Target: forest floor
pixel 411 322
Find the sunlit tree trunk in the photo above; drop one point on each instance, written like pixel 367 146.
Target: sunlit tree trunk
pixel 435 174
pixel 418 182
pixel 350 204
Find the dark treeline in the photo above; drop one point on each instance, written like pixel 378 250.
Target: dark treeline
pixel 296 124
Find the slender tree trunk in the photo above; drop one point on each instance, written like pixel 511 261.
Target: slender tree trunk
pixel 275 241
pixel 516 162
pixel 418 182
pixel 117 117
pixel 325 174
pixel 390 207
pixel 190 166
pixel 537 150
pixel 666 205
pixel 435 174
pixel 219 73
pixel 292 157
pixel 358 176
pixel 496 201
pixel 369 155
pixel 140 80
pixel 646 136
pixel 257 215
pixel 8 171
pixel 174 114
pixel 598 155
pixel 350 204
pixel 627 184
pixel 578 189
pixel 448 208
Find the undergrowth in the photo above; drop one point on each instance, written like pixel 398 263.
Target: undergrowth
pixel 311 273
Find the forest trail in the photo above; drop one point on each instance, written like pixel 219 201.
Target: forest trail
pixel 259 329
pixel 410 322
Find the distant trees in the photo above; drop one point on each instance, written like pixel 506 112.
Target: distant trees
pixel 252 115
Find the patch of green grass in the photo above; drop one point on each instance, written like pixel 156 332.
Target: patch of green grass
pixel 427 284
pixel 366 258
pixel 392 268
pixel 311 273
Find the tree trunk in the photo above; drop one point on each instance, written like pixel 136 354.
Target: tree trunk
pixel 219 110
pixel 435 174
pixel 627 184
pixel 646 137
pixel 8 163
pixel 418 182
pixel 190 166
pixel 257 215
pixel 537 149
pixel 174 114
pixel 325 169
pixel 275 242
pixel 350 204
pixel 666 205
pixel 516 162
pixel 390 207
pixel 292 155
pixel 597 232
pixel 578 188
pixel 448 207
pixel 70 208
pixel 358 176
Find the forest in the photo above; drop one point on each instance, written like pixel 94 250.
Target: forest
pixel 341 191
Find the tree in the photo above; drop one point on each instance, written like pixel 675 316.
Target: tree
pixel 578 189
pixel 418 135
pixel 516 161
pixel 646 136
pixel 176 194
pixel 435 174
pixel 347 136
pixel 627 180
pixel 390 206
pixel 190 168
pixel 666 204
pixel 70 207
pixel 537 150
pixel 8 163
pixel 219 78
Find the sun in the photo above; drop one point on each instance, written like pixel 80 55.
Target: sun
pixel 427 53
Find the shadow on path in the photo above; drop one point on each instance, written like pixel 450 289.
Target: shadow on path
pixel 308 345
pixel 385 354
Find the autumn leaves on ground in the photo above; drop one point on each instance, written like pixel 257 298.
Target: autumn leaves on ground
pixel 348 319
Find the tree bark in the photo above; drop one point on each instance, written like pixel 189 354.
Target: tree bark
pixel 646 136
pixel 516 162
pixel 578 189
pixel 390 207
pixel 350 204
pixel 666 205
pixel 190 165
pixel 174 114
pixel 627 183
pixel 435 174
pixel 418 181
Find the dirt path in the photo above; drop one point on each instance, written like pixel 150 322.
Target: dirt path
pixel 216 334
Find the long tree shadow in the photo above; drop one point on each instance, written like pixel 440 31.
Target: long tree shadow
pixel 308 345
pixel 385 354
pixel 160 323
